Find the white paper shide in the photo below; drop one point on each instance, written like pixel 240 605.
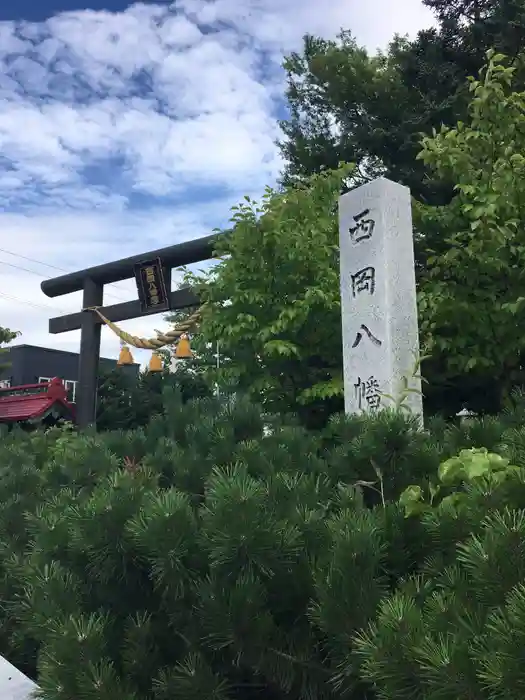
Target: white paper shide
pixel 378 298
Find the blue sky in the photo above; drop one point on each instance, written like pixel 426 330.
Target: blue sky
pixel 126 127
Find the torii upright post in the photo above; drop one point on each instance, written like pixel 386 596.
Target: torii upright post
pixel 91 281
pixel 93 295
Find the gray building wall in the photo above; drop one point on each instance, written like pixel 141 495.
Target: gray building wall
pixel 29 364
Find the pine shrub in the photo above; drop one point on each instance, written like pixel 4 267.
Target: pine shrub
pixel 219 553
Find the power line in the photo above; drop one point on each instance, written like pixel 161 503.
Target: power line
pixel 24 269
pixel 30 303
pixel 24 301
pixel 38 262
pixel 52 267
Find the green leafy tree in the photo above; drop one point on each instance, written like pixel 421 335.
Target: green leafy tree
pixel 349 106
pixel 180 315
pixel 205 355
pixel 6 336
pixel 468 250
pixel 471 301
pixel 346 105
pixel 472 27
pixel 274 300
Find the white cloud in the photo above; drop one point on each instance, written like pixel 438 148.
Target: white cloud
pixel 123 132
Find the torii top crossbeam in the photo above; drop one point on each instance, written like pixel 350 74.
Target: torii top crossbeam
pixel 178 255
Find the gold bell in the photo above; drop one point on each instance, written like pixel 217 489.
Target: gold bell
pixel 183 347
pixel 125 357
pixel 155 364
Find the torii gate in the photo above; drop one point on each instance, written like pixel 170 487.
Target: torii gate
pixel 156 263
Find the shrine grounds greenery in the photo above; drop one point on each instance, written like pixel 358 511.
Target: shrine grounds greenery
pixel 6 336
pixel 223 553
pixel 280 333
pixel 127 402
pixel 260 545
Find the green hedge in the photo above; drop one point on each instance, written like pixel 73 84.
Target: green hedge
pixel 221 554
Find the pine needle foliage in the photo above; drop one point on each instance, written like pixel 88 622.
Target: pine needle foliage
pixel 218 552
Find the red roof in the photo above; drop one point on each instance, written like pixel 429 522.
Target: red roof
pixel 33 406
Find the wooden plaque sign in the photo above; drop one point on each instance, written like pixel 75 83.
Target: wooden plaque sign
pixel 151 286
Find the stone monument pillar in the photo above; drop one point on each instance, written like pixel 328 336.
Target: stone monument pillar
pixel 378 298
